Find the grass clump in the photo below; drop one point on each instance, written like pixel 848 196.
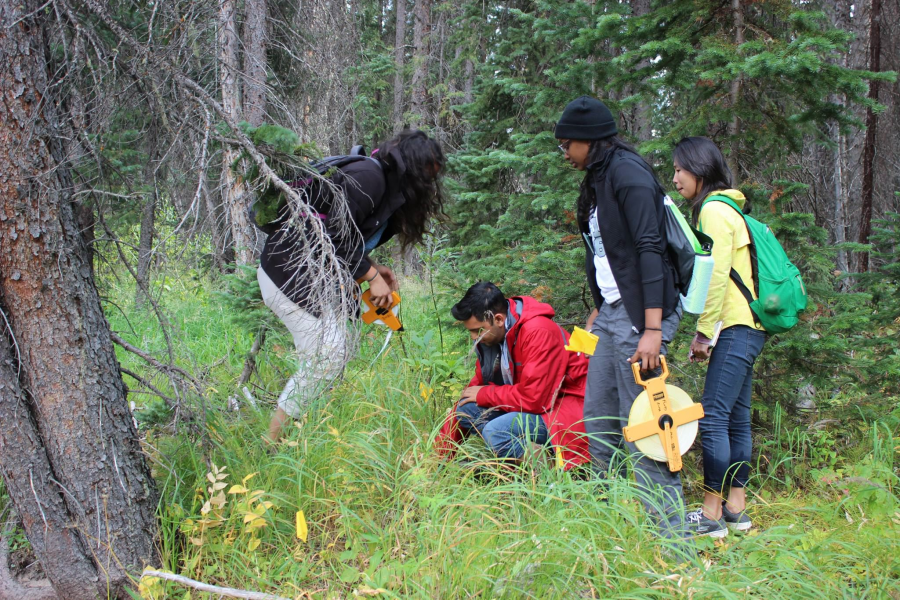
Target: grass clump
pixel 387 518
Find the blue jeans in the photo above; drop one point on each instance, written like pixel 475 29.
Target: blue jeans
pixel 725 430
pixel 506 433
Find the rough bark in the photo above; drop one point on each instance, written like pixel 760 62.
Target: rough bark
pixel 218 231
pixel 469 84
pixel 69 453
pixel 734 127
pixel 840 223
pixel 887 141
pixel 641 127
pixel 868 184
pixel 234 191
pixel 399 61
pixel 255 64
pixel 421 59
pixel 148 219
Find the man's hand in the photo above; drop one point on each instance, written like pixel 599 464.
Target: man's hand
pixel 469 394
pixel 590 319
pixel 648 350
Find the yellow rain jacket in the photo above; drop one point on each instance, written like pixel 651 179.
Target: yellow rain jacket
pixel 731 248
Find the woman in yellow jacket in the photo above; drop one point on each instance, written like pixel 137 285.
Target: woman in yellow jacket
pixel 700 174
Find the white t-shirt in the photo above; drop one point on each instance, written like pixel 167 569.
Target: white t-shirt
pixel 605 280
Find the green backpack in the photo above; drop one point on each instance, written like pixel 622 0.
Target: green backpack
pixel 780 290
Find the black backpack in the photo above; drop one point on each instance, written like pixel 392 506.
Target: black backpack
pixel 266 211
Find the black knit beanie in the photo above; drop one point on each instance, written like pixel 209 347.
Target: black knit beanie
pixel 585 118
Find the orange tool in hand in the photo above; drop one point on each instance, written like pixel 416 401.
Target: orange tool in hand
pixel 663 419
pixel 382 316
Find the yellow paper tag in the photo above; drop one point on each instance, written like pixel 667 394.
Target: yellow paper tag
pixel 582 341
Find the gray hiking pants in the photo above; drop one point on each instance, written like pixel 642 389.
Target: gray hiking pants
pixel 610 392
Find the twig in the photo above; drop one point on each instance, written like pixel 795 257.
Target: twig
pixel 162 367
pixel 214 589
pixel 250 361
pixel 169 401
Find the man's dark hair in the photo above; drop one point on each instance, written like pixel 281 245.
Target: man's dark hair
pixel 480 301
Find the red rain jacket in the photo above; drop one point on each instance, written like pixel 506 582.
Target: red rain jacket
pixel 547 380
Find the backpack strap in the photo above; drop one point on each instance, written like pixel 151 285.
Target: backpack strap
pixel 735 276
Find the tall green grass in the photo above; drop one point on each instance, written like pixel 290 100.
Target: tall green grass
pixel 387 518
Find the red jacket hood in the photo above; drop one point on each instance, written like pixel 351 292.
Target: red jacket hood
pixel 530 308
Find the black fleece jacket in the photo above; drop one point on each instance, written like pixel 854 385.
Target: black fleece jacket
pixel 373 194
pixel 631 217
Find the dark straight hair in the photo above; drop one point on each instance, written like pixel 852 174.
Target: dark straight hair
pixel 598 152
pixel 700 157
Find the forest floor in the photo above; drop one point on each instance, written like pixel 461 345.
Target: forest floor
pixel 383 516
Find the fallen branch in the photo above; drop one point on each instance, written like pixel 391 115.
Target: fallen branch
pixel 250 361
pixel 213 589
pixel 169 401
pixel 162 367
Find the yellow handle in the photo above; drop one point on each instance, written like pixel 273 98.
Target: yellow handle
pixel 636 368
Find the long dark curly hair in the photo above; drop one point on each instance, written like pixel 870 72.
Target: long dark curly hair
pixel 598 153
pixel 420 181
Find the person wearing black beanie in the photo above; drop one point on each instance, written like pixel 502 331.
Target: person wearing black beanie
pixel 620 212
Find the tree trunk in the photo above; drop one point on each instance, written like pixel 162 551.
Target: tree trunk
pixel 421 56
pixel 148 218
pixel 255 64
pixel 399 61
pixel 69 453
pixel 734 127
pixel 469 82
pixel 217 231
pixel 233 188
pixel 641 126
pixel 868 184
pixel 840 223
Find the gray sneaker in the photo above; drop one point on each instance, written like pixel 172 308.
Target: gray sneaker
pixel 736 521
pixel 699 525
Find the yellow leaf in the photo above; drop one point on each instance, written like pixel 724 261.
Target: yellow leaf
pixel 302 530
pixel 253 544
pixel 254 525
pixel 206 508
pixel 237 489
pixel 196 541
pixel 249 517
pixel 249 477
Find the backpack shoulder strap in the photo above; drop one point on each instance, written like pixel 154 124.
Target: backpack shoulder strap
pixel 724 200
pixel 735 276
